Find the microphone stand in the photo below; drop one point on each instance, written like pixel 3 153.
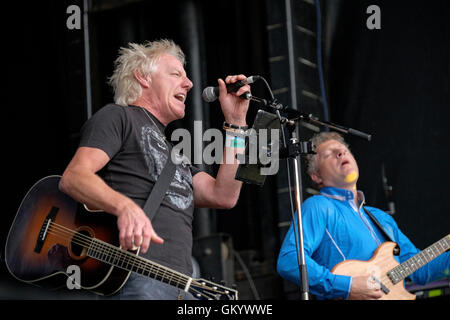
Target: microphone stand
pixel 295 149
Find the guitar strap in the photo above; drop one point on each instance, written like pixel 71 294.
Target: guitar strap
pixel 159 189
pixel 378 224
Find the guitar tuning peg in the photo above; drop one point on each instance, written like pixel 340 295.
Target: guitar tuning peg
pixel 222 282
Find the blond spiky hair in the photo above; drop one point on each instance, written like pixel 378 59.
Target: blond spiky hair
pixel 140 58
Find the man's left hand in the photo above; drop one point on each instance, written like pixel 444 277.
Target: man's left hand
pixel 233 107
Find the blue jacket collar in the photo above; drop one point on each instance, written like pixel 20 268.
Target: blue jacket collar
pixel 341 194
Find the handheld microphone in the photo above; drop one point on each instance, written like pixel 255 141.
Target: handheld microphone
pixel 210 94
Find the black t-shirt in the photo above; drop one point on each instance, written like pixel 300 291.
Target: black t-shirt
pixel 135 143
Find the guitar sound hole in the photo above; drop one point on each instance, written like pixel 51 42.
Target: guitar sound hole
pixel 78 244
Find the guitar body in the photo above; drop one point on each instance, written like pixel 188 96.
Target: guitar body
pixel 378 266
pixel 32 259
pixel 53 237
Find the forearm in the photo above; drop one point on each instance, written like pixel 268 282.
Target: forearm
pixel 226 186
pixel 88 188
pixel 321 281
pixel 221 192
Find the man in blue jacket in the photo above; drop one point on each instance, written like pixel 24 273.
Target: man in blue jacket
pixel 337 228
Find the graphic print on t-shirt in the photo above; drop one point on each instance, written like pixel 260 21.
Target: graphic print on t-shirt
pixel 156 154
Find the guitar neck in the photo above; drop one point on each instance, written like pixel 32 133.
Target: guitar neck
pixel 117 257
pixel 400 272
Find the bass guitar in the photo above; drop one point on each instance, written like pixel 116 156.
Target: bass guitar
pixel 52 232
pixel 387 273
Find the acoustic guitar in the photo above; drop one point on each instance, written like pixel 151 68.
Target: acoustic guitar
pixel 387 273
pixel 52 232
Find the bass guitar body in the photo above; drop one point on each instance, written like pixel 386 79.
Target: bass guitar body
pixel 46 238
pixel 378 266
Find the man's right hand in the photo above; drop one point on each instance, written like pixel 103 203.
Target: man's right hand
pixel 135 228
pixel 363 288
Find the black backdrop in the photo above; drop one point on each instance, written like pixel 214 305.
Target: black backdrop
pixel 392 82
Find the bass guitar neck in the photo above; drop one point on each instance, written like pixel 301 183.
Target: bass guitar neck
pixel 387 273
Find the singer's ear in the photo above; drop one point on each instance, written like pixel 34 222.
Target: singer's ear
pixel 143 80
pixel 315 177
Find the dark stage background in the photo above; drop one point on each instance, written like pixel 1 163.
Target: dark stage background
pixel 392 83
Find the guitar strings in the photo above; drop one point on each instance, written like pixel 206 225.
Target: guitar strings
pixel 62 233
pixel 122 259
pixel 410 265
pixel 86 242
pixel 96 245
pixel 119 256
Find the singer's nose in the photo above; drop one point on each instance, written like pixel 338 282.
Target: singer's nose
pixel 187 84
pixel 341 153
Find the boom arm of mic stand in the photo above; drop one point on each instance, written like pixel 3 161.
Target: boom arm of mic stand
pixel 309 118
pixel 336 127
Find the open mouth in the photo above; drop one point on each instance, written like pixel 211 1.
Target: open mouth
pixel 345 162
pixel 181 97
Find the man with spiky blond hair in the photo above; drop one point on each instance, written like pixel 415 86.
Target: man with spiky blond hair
pixel 123 150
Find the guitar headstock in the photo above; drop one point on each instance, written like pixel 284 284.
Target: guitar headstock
pixel 206 290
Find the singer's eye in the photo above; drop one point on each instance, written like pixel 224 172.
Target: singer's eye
pixel 325 155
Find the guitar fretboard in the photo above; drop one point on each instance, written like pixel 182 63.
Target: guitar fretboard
pixel 400 272
pixel 109 254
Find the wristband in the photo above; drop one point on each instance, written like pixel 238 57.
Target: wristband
pixel 234 141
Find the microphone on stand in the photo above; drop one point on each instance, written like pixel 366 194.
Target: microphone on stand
pixel 210 94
